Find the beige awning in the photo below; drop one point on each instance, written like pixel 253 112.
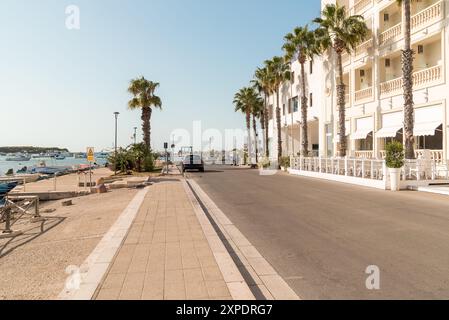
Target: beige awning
pixel 426 129
pixel 361 134
pixel 388 132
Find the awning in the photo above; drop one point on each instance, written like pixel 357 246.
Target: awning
pixel 388 132
pixel 426 129
pixel 361 134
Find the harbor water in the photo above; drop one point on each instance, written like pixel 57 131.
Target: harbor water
pixel 50 162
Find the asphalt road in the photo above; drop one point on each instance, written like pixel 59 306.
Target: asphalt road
pixel 321 236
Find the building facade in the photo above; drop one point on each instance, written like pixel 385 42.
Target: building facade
pixel 374 94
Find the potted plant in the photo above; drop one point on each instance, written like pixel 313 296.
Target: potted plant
pixel 395 161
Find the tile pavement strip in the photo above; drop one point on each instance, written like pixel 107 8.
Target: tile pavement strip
pixel 166 254
pixel 95 266
pixel 261 277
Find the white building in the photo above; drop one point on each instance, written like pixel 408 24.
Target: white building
pixel 373 76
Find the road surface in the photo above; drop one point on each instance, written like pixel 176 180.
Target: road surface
pixel 321 236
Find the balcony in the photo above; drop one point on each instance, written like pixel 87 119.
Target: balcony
pixel 363 94
pixel 391 34
pixel 420 20
pixel 361 5
pixel 362 50
pixel 428 16
pixel 421 79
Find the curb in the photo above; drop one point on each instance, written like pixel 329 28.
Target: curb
pixel 234 280
pixel 262 279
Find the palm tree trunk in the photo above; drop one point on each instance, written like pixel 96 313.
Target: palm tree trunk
pixel 341 91
pixel 267 117
pixel 262 126
pixel 248 127
pixel 407 74
pixel 255 138
pixel 146 126
pixel 278 122
pixel 304 128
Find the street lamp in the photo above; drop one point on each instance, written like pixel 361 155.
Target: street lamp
pixel 115 145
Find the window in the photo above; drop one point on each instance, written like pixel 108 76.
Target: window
pixel 311 67
pixel 311 99
pixel 283 109
pixel 295 104
pixel 293 77
pixel 290 106
pixel 270 111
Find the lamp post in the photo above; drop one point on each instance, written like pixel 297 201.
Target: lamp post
pixel 115 145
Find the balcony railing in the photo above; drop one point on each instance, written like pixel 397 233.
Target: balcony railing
pixel 421 78
pixel 362 49
pixel 431 14
pixel 364 154
pixel 390 34
pixel 420 20
pixel 361 5
pixel 435 155
pixel 364 94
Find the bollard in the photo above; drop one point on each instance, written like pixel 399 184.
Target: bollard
pixel 7 221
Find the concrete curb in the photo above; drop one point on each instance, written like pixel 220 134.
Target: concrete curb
pixel 260 276
pixel 83 283
pixel 234 280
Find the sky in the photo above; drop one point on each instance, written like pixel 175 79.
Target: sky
pixel 60 86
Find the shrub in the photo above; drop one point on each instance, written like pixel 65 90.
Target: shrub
pixel 395 155
pixel 285 162
pixel 134 158
pixel 264 163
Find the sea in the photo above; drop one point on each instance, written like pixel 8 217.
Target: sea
pixel 50 162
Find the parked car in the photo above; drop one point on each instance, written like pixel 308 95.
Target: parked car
pixel 192 162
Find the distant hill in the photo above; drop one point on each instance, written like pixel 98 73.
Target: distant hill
pixel 31 150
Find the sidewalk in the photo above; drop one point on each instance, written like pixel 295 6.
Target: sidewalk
pixel 165 254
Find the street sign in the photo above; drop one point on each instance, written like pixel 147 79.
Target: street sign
pixel 90 155
pixel 165 145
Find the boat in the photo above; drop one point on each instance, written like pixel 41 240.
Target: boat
pixel 59 157
pixel 6 187
pixel 19 157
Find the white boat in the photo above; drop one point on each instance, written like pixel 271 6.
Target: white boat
pixel 19 157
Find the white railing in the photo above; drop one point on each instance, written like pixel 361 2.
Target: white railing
pixel 390 34
pixel 361 5
pixel 435 155
pixel 362 49
pixel 364 154
pixel 364 94
pixel 373 169
pixel 351 167
pixel 420 79
pixel 430 14
pixel 420 20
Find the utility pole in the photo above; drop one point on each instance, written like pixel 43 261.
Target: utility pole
pixel 115 145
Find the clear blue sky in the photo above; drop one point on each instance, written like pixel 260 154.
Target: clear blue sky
pixel 59 87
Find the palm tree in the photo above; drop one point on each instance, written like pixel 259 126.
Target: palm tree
pixel 341 33
pixel 257 111
pixel 144 99
pixel 262 83
pixel 249 102
pixel 407 78
pixel 303 45
pixel 279 72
